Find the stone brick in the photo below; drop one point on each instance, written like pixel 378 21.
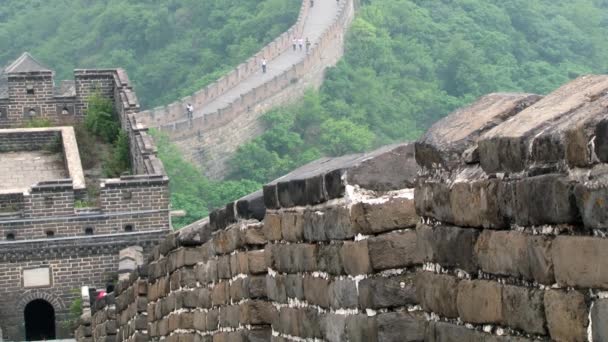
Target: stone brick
pixel 334 327
pixel 591 201
pixel 343 294
pixel 294 286
pixel 316 291
pixel 219 294
pixel 230 316
pixel 480 301
pixel 401 326
pixel 257 262
pixel 567 315
pixel 599 320
pixel 475 202
pixel 437 293
pixel 374 218
pixel 292 226
pixel 223 267
pixel 448 246
pixel 330 259
pixel 523 309
pixel 272 227
pixel 446 332
pixel 207 272
pixel 227 241
pixel 314 226
pixel 361 328
pixel 355 256
pixel 379 293
pixel 577 260
pixel 276 288
pixel 393 250
pixel 337 223
pixel 515 254
pixel 257 313
pixel 199 321
pixel 255 236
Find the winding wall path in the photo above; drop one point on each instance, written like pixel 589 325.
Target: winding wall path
pixel 227 111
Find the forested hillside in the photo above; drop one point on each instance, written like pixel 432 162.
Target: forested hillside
pixel 408 63
pixel 170 48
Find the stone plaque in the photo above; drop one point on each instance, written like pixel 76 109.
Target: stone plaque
pixel 37 277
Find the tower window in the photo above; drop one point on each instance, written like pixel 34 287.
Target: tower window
pixel 65 111
pixel 128 228
pixel 88 231
pixel 50 234
pixel 32 112
pixel 30 90
pixel 10 237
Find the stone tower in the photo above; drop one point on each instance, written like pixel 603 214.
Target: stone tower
pixel 55 234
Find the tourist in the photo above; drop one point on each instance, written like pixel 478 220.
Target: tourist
pixel 307 44
pixel 295 42
pixel 301 43
pixel 190 110
pixel 312 3
pixel 264 65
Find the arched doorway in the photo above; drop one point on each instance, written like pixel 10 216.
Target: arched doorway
pixel 39 321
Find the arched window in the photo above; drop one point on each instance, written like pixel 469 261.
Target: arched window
pixel 129 228
pixel 50 234
pixel 39 318
pixel 88 231
pixel 65 110
pixel 10 237
pixel 32 112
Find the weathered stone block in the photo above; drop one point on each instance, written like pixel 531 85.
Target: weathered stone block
pixel 515 254
pixel 316 291
pixel 257 262
pixel 330 259
pixel 223 267
pixel 314 226
pixel 207 272
pixel 437 293
pixel 333 327
pixel 475 202
pixel 355 256
pixel 361 328
pixel 294 286
pixel 272 226
pixel 592 204
pixel 480 301
pixel 220 294
pixel 292 226
pixel 379 293
pixel 393 250
pixel 343 294
pixel 599 320
pixel 257 313
pixel 579 261
pixel 523 309
pixel 448 246
pixel 567 315
pixel 445 142
pixel 276 288
pixel 230 316
pixel 401 326
pixel 433 200
pixel 394 213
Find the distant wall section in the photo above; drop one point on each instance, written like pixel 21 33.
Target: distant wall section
pixel 210 141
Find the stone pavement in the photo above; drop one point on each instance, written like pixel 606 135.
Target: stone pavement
pixel 320 17
pixel 21 170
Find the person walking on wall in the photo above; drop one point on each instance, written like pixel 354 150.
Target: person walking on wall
pixel 312 3
pixel 307 44
pixel 301 43
pixel 294 42
pixel 190 111
pixel 263 65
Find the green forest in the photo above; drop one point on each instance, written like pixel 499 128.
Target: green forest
pixel 170 48
pixel 407 64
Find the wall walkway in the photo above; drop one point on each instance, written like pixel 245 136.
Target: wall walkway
pixel 227 111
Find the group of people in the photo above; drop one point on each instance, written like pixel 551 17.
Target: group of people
pixel 300 42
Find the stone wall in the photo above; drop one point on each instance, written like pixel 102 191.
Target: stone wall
pixel 72 263
pixel 19 140
pixel 449 239
pixel 210 140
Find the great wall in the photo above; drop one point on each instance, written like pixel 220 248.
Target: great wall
pixel 491 227
pixel 227 111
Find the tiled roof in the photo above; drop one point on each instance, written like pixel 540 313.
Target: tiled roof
pixel 25 63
